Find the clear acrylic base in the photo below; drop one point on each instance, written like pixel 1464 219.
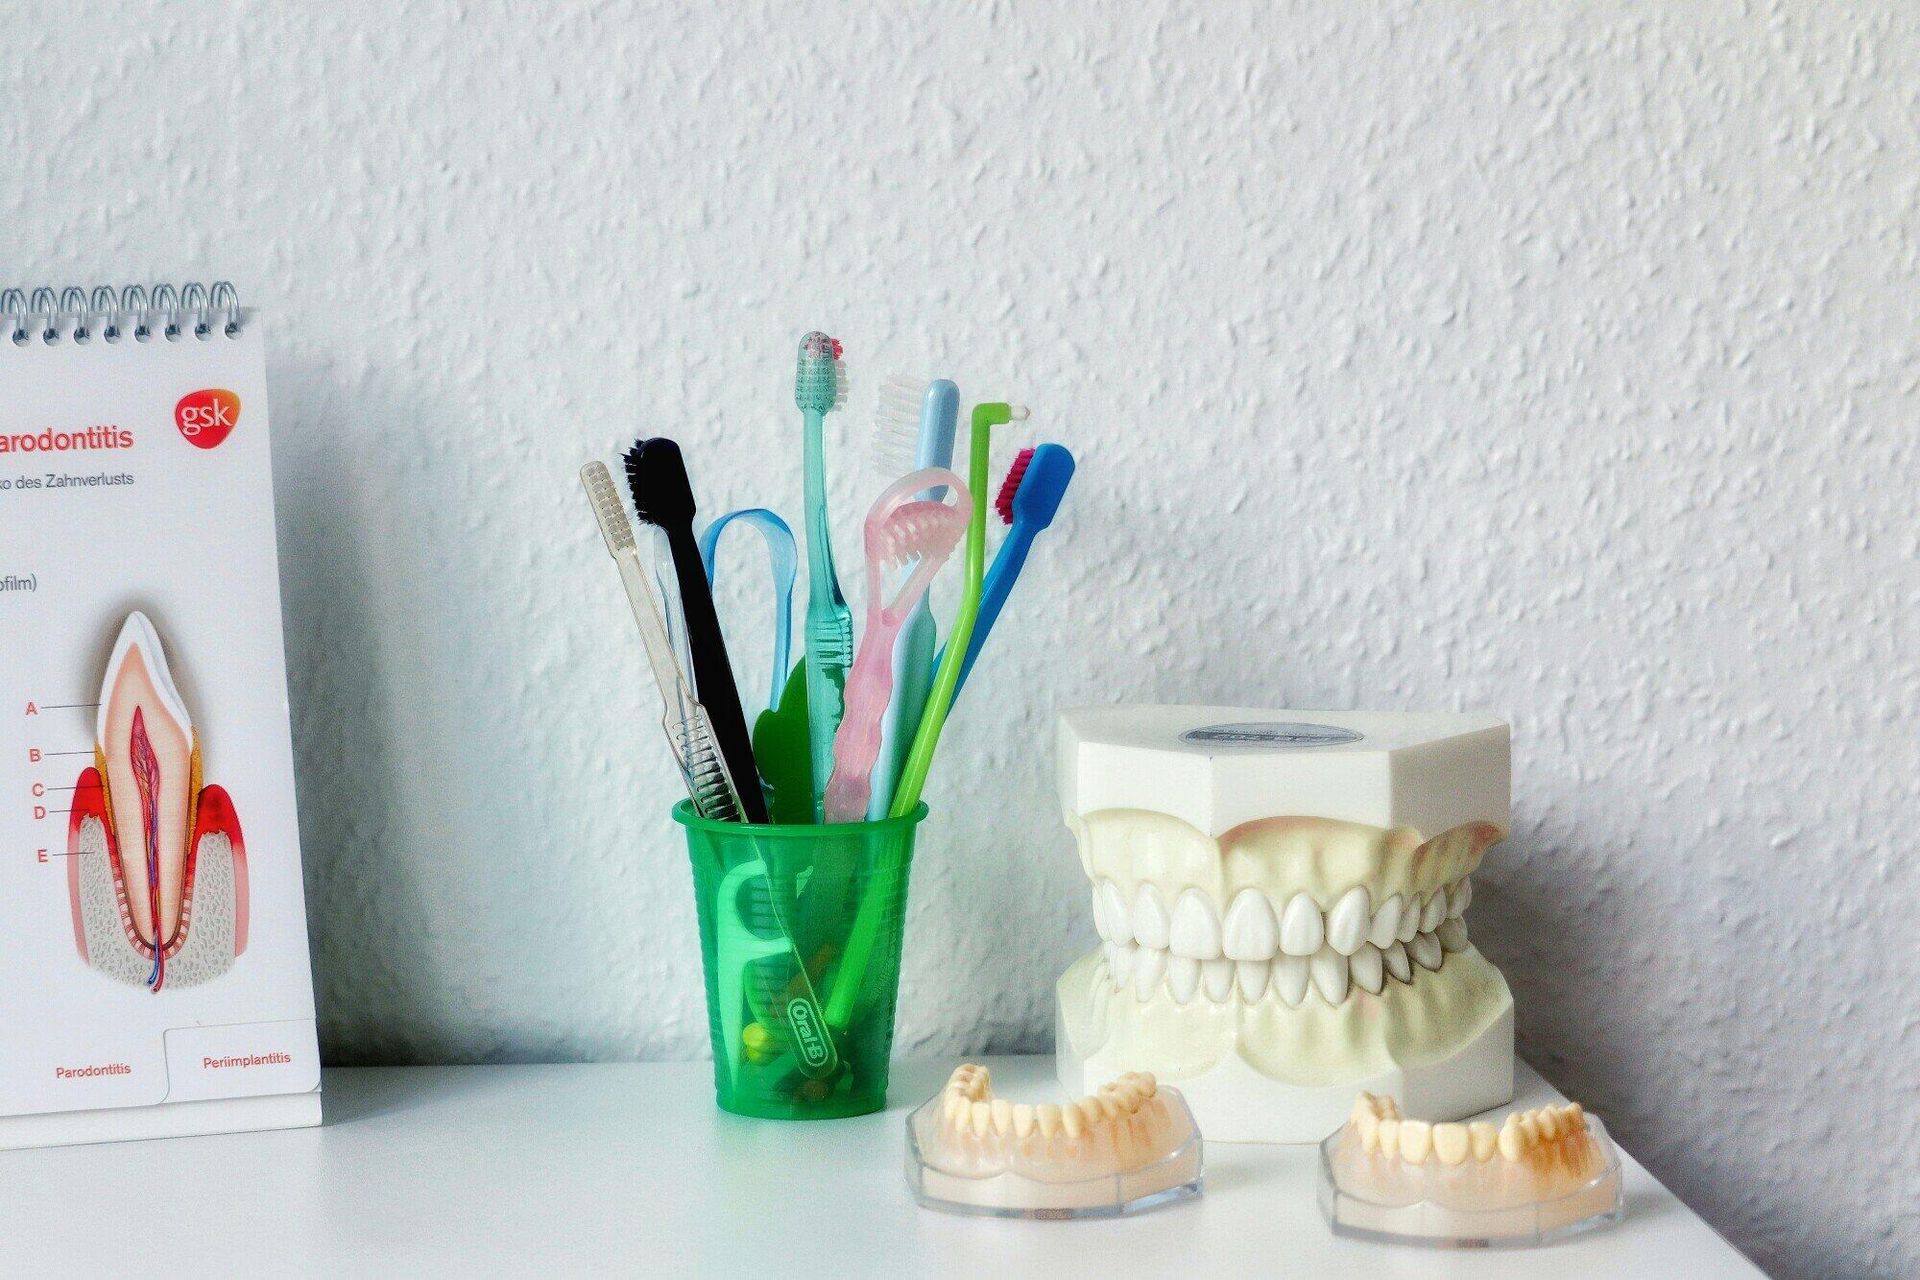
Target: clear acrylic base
pixel 1495 1204
pixel 1028 1182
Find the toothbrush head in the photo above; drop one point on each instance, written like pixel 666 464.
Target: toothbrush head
pixel 657 478
pixel 913 426
pixel 820 380
pixel 1035 485
pixel 995 413
pixel 607 511
pixel 1011 485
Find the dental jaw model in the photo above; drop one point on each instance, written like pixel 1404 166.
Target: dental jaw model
pixel 157 866
pixel 1537 1176
pixel 1128 1147
pixel 1281 899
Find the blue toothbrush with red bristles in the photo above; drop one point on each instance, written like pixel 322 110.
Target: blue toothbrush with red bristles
pixel 1028 501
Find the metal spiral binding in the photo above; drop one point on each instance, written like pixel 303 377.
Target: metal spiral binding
pixel 77 315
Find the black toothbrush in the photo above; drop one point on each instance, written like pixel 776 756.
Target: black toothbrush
pixel 663 497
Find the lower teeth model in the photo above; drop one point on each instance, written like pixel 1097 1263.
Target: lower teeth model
pixel 157 866
pixel 1281 903
pixel 1129 1146
pixel 1537 1176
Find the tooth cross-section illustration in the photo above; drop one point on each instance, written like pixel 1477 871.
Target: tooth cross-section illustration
pixel 156 866
pixel 1281 899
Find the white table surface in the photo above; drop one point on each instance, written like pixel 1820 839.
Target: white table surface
pixel 630 1170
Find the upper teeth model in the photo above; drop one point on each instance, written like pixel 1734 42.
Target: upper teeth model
pixel 1281 898
pixel 157 866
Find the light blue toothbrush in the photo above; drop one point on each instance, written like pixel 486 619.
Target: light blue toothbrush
pixel 819 388
pixel 913 429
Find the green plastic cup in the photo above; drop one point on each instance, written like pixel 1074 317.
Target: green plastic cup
pixel 800 930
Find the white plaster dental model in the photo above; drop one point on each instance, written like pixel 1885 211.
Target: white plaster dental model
pixel 1129 1146
pixel 1281 897
pixel 157 866
pixel 1534 1177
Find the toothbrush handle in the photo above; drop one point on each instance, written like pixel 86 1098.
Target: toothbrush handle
pixel 712 674
pixel 1007 564
pixel 829 635
pixel 913 659
pixel 857 745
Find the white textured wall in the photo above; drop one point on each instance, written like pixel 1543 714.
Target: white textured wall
pixel 1416 357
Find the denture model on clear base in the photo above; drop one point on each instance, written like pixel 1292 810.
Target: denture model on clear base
pixel 157 865
pixel 1280 896
pixel 1537 1176
pixel 1130 1146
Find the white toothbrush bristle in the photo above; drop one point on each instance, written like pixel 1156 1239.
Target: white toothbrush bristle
pixel 896 428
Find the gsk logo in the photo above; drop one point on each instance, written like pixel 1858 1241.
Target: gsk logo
pixel 207 417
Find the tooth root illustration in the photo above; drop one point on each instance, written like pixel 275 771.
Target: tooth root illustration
pixel 157 865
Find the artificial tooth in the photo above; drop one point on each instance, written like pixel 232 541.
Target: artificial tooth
pixel 1416 1140
pixel 1409 920
pixel 1511 1142
pixel 1389 1135
pixel 1250 931
pixel 1073 1119
pixel 1183 978
pixel 1452 934
pixel 1047 1116
pixel 1364 1105
pixel 1099 914
pixel 1347 923
pixel 1425 950
pixel 1148 968
pixel 1022 1120
pixel 1433 911
pixel 982 1118
pixel 957 1111
pixel 1485 1139
pixel 1287 975
pixel 1549 1121
pixel 1450 1143
pixel 1573 1118
pixel 1002 1115
pixel 1367 1125
pixel 1368 969
pixel 1386 923
pixel 1113 910
pixel 1397 963
pixel 1329 969
pixel 1251 975
pixel 1150 920
pixel 1121 960
pixel 1217 977
pixel 1194 931
pixel 1302 932
pixel 1459 896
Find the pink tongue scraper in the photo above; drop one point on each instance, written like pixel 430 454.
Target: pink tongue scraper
pixel 902 531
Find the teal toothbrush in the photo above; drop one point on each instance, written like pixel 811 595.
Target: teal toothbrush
pixel 913 778
pixel 913 429
pixel 820 387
